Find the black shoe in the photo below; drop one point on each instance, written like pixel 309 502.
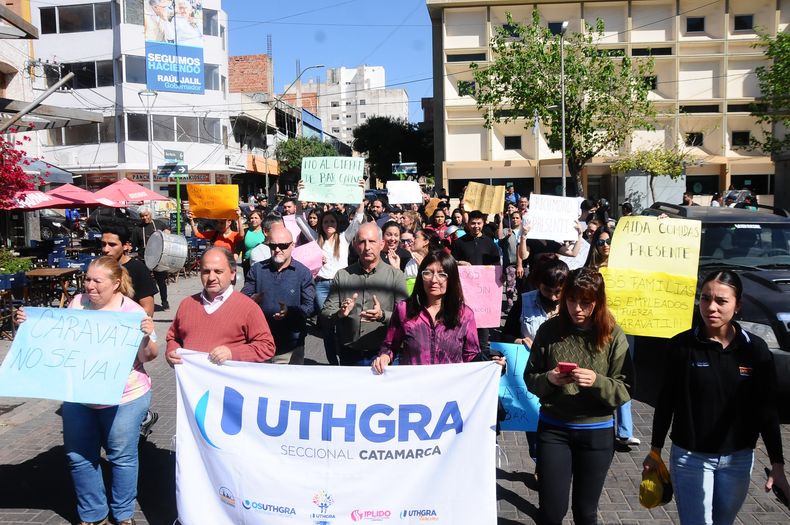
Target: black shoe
pixel 150 420
pixel 165 305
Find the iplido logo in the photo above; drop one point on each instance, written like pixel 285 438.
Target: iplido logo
pixel 377 423
pixel 226 496
pixel 372 515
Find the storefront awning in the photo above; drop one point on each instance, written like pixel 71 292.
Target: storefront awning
pixel 259 164
pixel 45 117
pixel 15 26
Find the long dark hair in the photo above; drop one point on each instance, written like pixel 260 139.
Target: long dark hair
pixel 728 278
pixel 595 259
pixel 434 241
pixel 587 284
pixel 453 300
pixel 322 238
pixel 548 270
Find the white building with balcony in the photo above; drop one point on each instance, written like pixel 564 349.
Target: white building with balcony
pixel 704 82
pixel 103 43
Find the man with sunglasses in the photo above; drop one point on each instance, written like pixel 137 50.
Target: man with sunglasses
pixel 285 291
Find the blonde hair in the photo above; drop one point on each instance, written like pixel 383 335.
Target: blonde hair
pixel 116 271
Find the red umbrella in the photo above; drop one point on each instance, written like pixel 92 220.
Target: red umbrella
pixel 80 197
pixel 37 200
pixel 125 191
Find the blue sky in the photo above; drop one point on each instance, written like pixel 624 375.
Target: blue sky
pixel 395 34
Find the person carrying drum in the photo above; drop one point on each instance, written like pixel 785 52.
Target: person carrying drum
pixel 140 238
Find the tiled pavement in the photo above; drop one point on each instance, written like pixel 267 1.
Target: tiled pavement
pixel 35 487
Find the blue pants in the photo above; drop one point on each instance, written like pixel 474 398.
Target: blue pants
pixel 117 429
pixel 709 489
pixel 625 426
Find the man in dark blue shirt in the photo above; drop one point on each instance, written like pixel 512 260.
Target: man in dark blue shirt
pixel 285 291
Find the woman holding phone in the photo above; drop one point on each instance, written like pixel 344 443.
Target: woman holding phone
pixel 580 369
pixel 719 395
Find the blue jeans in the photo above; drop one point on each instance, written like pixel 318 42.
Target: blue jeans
pixel 117 429
pixel 710 489
pixel 327 332
pixel 625 425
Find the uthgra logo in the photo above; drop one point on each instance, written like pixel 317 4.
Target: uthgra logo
pixel 372 515
pixel 420 514
pixel 323 500
pixel 377 423
pixel 268 507
pixel 226 496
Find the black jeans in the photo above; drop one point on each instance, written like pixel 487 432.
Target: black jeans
pixel 581 455
pixel 161 283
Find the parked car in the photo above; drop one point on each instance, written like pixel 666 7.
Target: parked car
pixel 756 245
pixel 52 224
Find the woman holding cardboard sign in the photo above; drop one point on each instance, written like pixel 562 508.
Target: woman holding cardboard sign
pixel 580 369
pixel 88 428
pixel 223 236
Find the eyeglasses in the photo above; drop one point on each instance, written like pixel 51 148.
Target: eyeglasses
pixel 407 241
pixel 601 242
pixel 282 246
pixel 428 275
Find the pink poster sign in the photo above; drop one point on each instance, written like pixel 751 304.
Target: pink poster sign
pixel 482 287
pixel 310 255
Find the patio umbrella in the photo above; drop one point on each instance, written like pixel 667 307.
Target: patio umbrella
pixel 82 198
pixel 125 191
pixel 37 200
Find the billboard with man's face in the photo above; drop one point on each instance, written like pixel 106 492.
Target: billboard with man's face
pixel 174 46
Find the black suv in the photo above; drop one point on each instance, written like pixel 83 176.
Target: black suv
pixel 756 245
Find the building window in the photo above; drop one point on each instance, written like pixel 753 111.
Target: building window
pixel 650 51
pixel 348 103
pixel 222 84
pixel 107 130
pixel 163 127
pixel 349 129
pixel 335 130
pixel 704 108
pixel 743 23
pixel 133 12
pixel 137 124
pixel 741 138
pixel 694 139
pixel 335 117
pixel 75 19
pixel 739 108
pixel 348 116
pixel 467 57
pixel 222 36
pixel 555 27
pixel 56 137
pixel 87 75
pixel 651 82
pixel 211 74
pixel 210 22
pixel 135 69
pixel 512 141
pixel 362 102
pixel 510 30
pixel 334 104
pixel 103 15
pixel 49 24
pixel 104 73
pixel 695 24
pixel 363 115
pixel 210 130
pixel 84 134
pixel 466 88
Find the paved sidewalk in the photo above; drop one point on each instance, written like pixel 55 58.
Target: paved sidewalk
pixel 35 487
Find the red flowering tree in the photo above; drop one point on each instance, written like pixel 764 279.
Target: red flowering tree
pixel 12 175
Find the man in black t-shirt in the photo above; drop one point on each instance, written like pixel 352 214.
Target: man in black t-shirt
pixel 115 241
pixel 474 248
pixel 140 238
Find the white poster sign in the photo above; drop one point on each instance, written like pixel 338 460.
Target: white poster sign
pixel 404 192
pixel 579 260
pixel 269 444
pixel 554 218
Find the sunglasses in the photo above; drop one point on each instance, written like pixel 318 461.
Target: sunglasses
pixel 601 242
pixel 407 241
pixel 282 246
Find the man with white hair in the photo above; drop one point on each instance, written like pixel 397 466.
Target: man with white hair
pixel 285 291
pixel 139 240
pixel 362 298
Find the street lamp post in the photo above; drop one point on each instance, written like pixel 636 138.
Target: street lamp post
pixel 562 91
pixel 266 120
pixel 148 98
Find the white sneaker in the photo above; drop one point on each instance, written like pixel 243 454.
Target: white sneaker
pixel 629 441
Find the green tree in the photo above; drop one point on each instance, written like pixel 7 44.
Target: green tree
pixel 383 138
pixel 654 163
pixel 289 153
pixel 773 107
pixel 605 92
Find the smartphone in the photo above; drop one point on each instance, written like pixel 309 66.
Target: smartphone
pixel 567 367
pixel 778 493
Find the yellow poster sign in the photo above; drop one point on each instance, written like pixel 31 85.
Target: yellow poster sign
pixel 488 199
pixel 651 278
pixel 213 201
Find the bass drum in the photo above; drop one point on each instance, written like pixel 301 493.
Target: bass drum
pixel 165 252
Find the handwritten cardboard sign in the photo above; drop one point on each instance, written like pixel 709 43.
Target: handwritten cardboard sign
pixel 332 179
pixel 554 218
pixel 81 356
pixel 404 192
pixel 488 199
pixel 651 278
pixel 213 201
pixel 290 224
pixel 521 405
pixel 310 255
pixel 482 287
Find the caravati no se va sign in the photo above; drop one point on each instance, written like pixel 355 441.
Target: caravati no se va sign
pixel 174 46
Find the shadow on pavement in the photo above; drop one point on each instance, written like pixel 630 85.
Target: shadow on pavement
pixel 157 486
pixel 504 494
pixel 42 482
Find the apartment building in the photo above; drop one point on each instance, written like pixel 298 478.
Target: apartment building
pixel 704 82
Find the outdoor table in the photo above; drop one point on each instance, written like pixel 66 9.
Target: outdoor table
pixel 50 281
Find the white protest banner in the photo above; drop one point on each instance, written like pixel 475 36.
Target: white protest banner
pixel 267 444
pixel 332 179
pixel 552 217
pixel 310 255
pixel 482 287
pixel 580 259
pixel 404 192
pixel 81 356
